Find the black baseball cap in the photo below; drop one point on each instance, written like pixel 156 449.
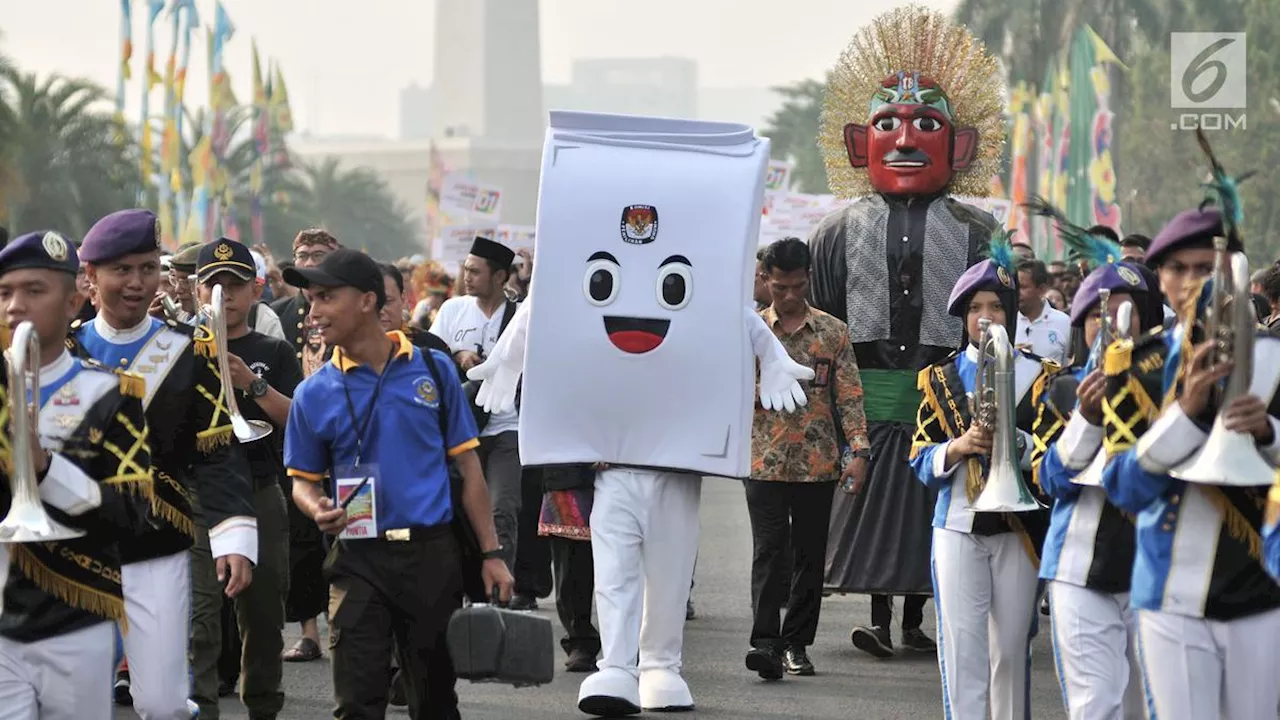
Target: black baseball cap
pixel 222 255
pixel 341 268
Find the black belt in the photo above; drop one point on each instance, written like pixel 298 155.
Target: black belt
pixel 414 534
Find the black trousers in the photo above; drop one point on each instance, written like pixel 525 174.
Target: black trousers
pixel 789 535
pixel 575 587
pixel 912 611
pixel 533 552
pixel 396 597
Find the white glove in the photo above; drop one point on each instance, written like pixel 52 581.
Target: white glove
pixel 497 393
pixel 780 384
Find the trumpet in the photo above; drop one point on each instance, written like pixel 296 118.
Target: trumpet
pixel 1228 457
pixel 1091 476
pixel 1106 332
pixel 994 403
pixel 27 521
pixel 246 431
pixel 173 310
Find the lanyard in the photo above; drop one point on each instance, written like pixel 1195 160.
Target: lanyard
pixel 373 400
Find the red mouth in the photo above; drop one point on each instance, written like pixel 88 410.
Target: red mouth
pixel 635 335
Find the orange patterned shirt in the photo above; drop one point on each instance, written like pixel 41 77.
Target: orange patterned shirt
pixel 803 446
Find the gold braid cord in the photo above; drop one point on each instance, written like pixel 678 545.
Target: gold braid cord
pixel 914 39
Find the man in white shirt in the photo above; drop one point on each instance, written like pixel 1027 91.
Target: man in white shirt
pixel 1042 330
pixel 471 324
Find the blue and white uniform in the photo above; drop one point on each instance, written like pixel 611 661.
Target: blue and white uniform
pixel 984 571
pixel 1208 613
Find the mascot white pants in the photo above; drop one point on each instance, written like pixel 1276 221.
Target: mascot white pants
pixel 644 536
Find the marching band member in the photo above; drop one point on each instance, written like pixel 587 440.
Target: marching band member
pixel 984 563
pixel 193 449
pixel 1208 614
pixel 57 640
pixel 1088 554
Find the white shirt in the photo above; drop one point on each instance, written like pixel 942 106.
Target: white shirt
pixel 268 322
pixel 1047 336
pixel 464 326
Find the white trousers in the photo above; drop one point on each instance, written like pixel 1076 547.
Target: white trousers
pixel 68 677
pixel 1197 669
pixel 985 595
pixel 644 538
pixel 157 603
pixel 1096 654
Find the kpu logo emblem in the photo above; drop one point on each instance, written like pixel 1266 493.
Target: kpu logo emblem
pixel 1206 79
pixel 639 224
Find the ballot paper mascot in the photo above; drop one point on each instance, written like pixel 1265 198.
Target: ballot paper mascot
pixel 193 449
pixel 912 112
pixel 92 463
pixel 984 563
pixel 1207 609
pixel 1088 553
pixel 638 350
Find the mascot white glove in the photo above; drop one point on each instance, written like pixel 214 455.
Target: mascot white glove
pixel 499 374
pixel 780 376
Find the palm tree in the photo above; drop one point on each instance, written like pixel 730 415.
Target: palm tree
pixel 793 133
pixel 357 207
pixel 62 145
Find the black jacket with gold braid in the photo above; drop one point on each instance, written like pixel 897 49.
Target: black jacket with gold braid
pixel 193 448
pixel 94 426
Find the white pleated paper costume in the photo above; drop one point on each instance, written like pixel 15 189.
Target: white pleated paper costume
pixel 639 347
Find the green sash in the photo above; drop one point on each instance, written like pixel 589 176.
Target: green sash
pixel 890 395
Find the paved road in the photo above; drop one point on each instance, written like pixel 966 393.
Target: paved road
pixel 849 684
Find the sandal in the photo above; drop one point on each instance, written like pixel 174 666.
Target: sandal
pixel 305 650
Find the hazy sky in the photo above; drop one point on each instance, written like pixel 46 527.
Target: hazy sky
pixel 345 65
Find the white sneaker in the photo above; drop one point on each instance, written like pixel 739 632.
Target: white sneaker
pixel 193 708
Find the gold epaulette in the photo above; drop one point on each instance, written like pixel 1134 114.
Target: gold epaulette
pixel 1118 357
pixel 1272 513
pixel 202 338
pixel 131 384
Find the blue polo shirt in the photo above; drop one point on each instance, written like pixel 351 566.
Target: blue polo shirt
pixel 403 437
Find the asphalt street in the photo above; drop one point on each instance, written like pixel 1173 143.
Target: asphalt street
pixel 848 685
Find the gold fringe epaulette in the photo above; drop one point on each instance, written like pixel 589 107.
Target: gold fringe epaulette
pixel 1118 357
pixel 1272 513
pixel 209 440
pixel 132 385
pixel 75 594
pixel 137 485
pixel 173 516
pixel 202 338
pixel 1237 524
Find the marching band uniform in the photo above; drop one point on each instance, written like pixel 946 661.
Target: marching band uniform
pixel 1088 553
pixel 57 640
pixel 1208 614
pixel 193 451
pixel 884 265
pixel 984 564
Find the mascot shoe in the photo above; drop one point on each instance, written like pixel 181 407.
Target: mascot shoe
pixel 611 692
pixel 663 690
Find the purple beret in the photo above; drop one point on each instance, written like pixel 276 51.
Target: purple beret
pixel 1116 277
pixel 1188 229
pixel 985 275
pixel 43 249
pixel 124 232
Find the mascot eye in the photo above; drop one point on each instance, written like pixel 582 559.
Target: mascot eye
pixel 927 124
pixel 887 124
pixel 601 283
pixel 675 286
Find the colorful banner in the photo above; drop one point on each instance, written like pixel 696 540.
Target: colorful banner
pixel 463 199
pixel 126 53
pixel 451 246
pixel 1020 138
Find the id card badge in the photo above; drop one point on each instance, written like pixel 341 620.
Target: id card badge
pixel 356 491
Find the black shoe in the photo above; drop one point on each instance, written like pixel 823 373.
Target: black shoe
pixel 915 639
pixel 523 602
pixel 122 694
pixel 397 698
pixel 796 661
pixel 873 640
pixel 580 661
pixel 1044 606
pixel 227 688
pixel 766 662
pixel 689 614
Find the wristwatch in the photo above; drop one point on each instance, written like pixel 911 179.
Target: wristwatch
pixel 494 554
pixel 258 388
pixel 864 454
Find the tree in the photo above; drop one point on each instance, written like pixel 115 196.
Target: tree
pixel 356 206
pixel 793 133
pixel 67 166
